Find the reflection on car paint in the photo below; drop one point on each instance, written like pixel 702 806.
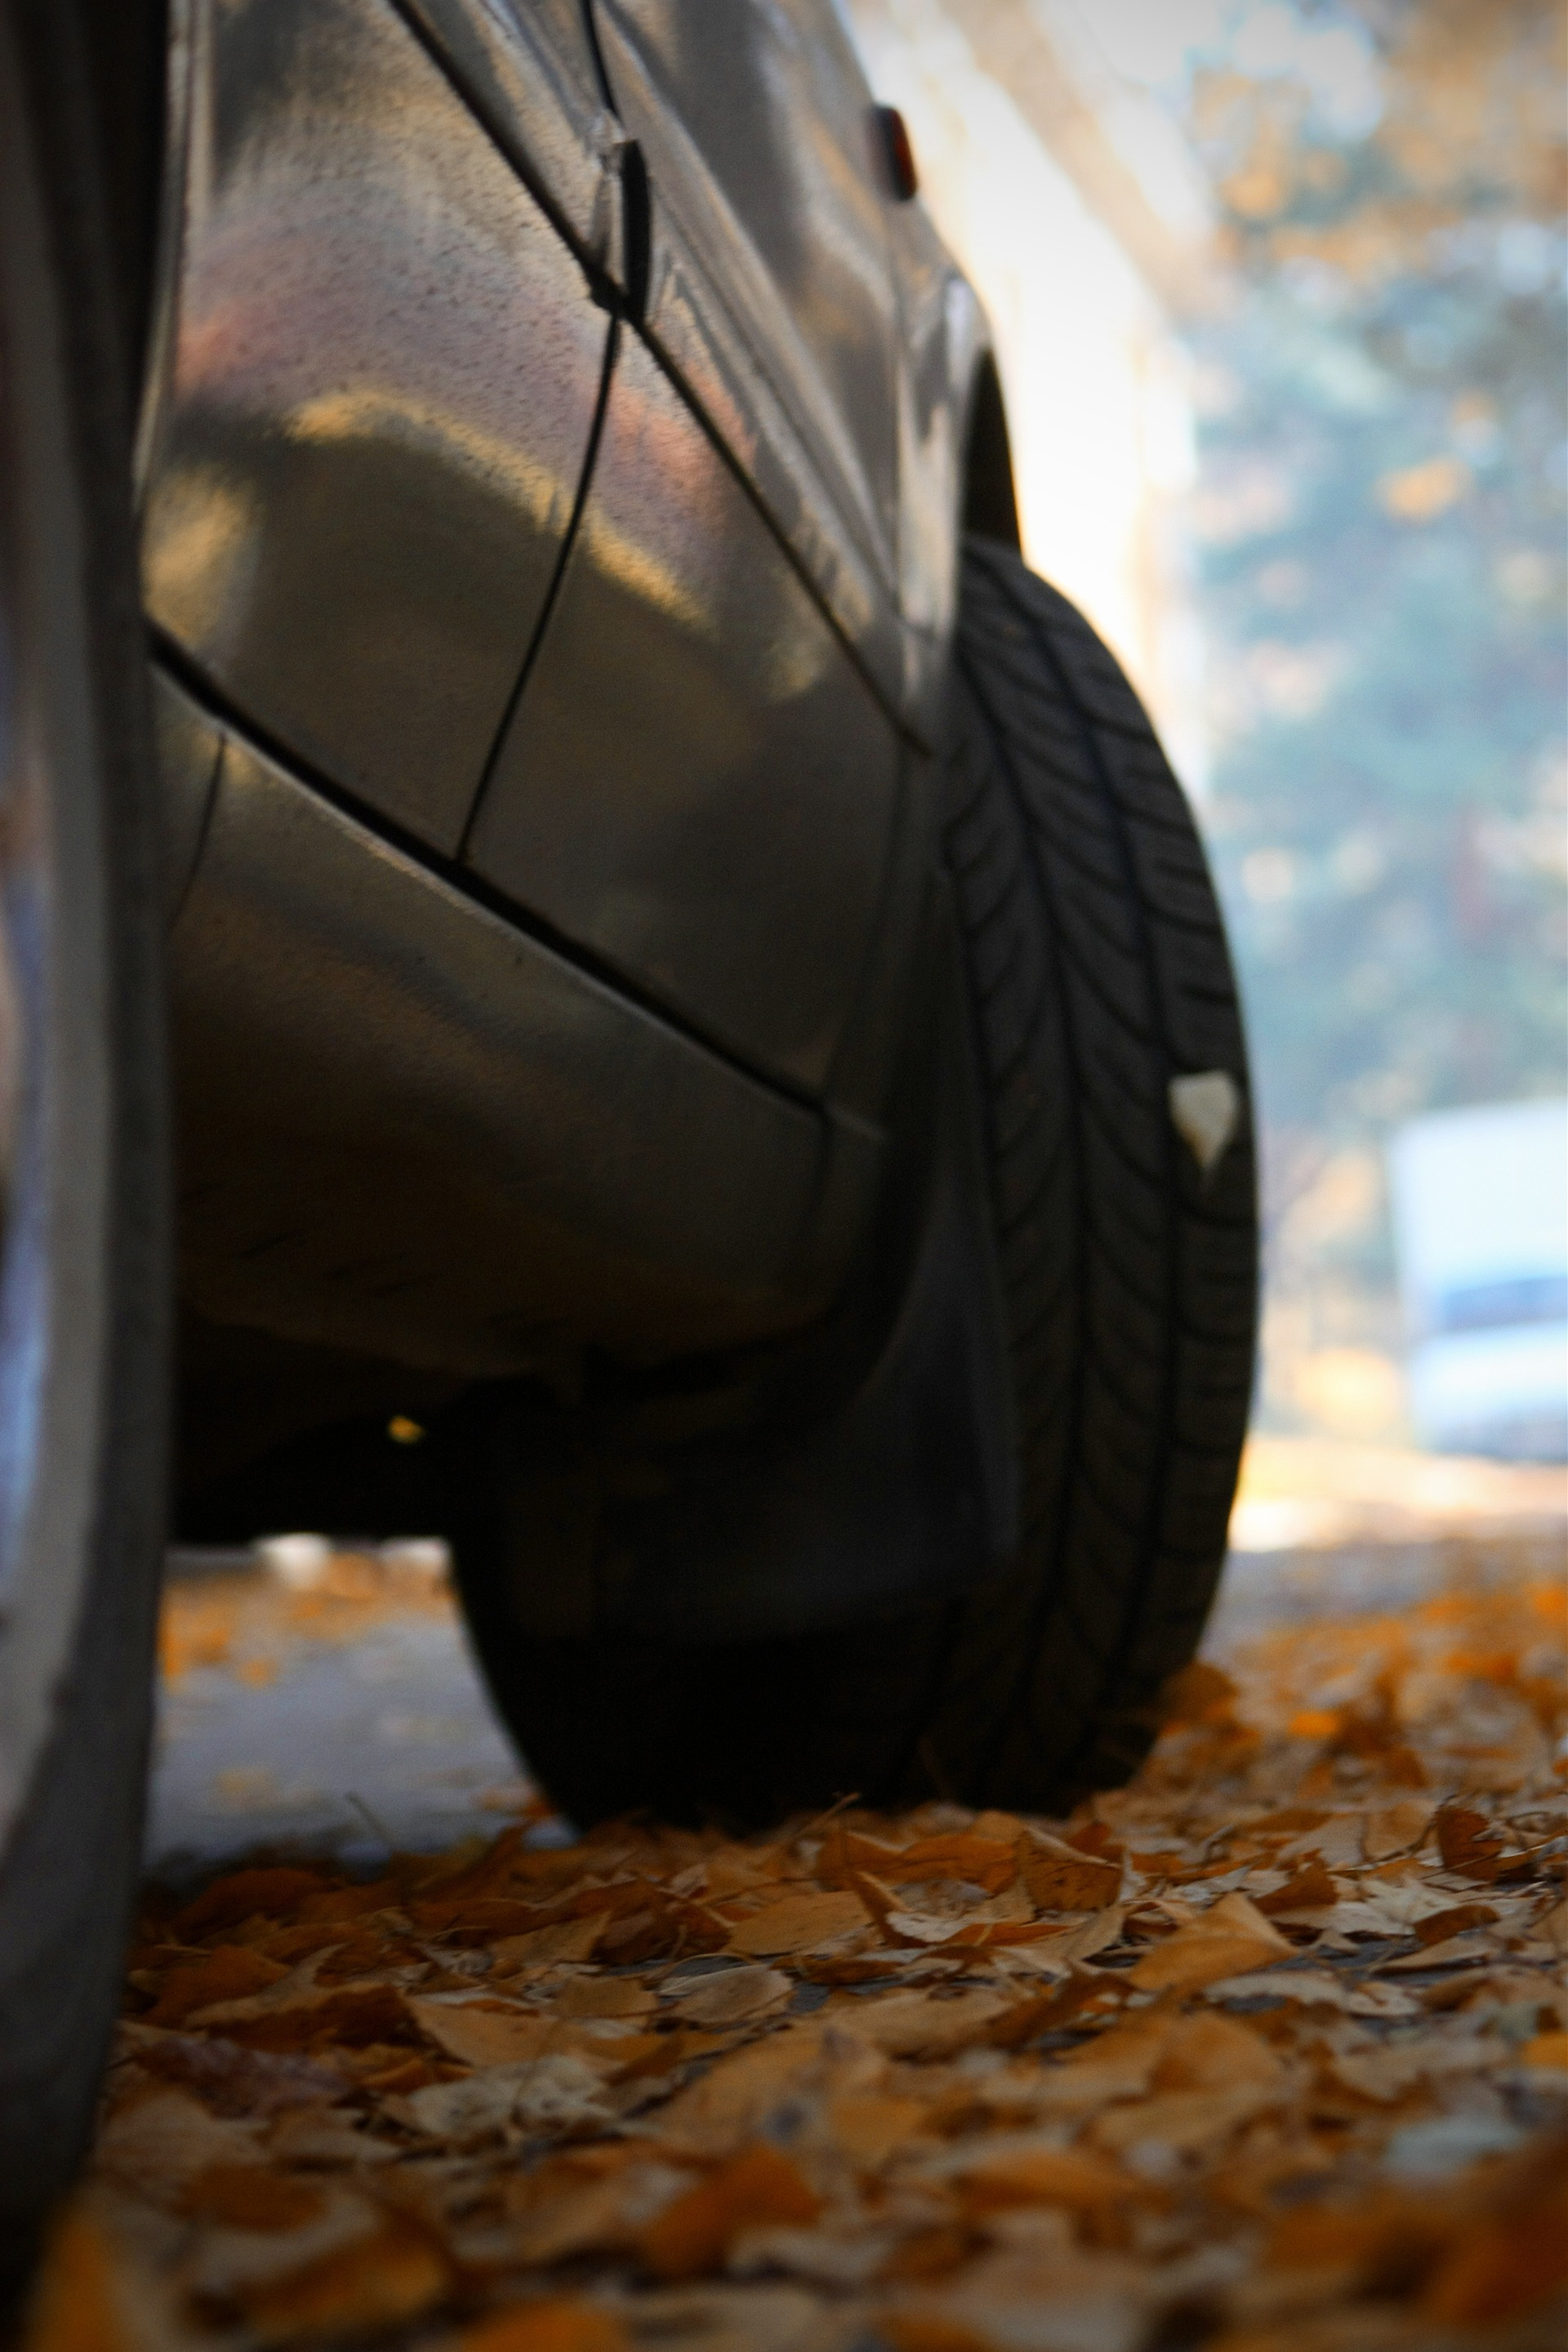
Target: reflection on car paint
pixel 697 784
pixel 382 382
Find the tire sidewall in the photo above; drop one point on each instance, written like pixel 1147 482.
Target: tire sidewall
pixel 69 1868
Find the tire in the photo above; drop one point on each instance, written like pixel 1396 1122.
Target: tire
pixel 84 1268
pixel 1095 973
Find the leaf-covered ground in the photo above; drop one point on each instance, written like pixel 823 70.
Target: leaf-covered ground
pixel 1266 2053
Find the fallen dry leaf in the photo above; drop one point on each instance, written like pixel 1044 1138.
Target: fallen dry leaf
pixel 1077 2178
pixel 1230 1940
pixel 376 2282
pixel 1265 2053
pixel 797 1923
pixel 553 2326
pixel 730 1996
pixel 692 2235
pixel 250 2197
pixel 1055 1883
pixel 77 2299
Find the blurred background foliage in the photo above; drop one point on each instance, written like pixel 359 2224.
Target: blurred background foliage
pixel 1381 503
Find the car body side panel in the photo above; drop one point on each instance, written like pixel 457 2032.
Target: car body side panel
pixel 697 784
pixel 725 330
pixel 411 1132
pixel 421 1124
pixel 187 747
pixel 758 128
pixel 527 68
pixel 384 374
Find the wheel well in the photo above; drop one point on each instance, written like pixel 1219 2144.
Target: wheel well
pixel 990 500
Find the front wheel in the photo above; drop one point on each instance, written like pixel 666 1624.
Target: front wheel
pixel 1113 1116
pixel 83 1269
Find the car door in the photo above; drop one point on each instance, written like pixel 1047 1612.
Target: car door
pixel 703 781
pixel 381 367
pixel 759 132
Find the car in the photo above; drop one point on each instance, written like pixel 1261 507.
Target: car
pixel 591 963
pixel 1479 1198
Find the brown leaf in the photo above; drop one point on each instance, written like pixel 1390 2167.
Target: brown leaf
pixel 1467 1844
pixel 1211 2052
pixel 796 1923
pixel 228 1973
pixel 1311 1889
pixel 570 2326
pixel 1395 1829
pixel 932 2331
pixel 734 2103
pixel 1504 2268
pixel 482 2033
pixel 1438 1926
pixel 983 1861
pixel 504 1857
pixel 731 1995
pixel 1076 2178
pixel 250 2197
pixel 336 1904
pixel 245 1895
pixel 1199 1693
pixel 653 2055
pixel 1453 1951
pixel 868 2127
pixel 845 1853
pixel 1023 2021
pixel 1228 1940
pixel 1054 1884
pixel 480 1920
pixel 1389 2236
pixel 381 2280
pixel 153 2145
pixel 563 1939
pixel 919 2025
pixel 352 2021
pixel 232 2080
pixel 75 2307
pixel 692 2235
pixel 1186 2121
pixel 660 1930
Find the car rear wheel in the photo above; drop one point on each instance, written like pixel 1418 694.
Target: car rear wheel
pixel 83 1271
pixel 1110 1072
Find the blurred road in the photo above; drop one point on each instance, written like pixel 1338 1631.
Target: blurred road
pixel 340 1715
pixel 329 1704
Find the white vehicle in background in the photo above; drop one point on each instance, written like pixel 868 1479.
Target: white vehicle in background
pixel 1481 1220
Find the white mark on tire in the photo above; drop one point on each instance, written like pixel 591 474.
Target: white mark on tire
pixel 1205 1109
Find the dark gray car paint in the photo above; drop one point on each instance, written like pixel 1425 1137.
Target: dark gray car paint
pixel 187 747
pixel 527 69
pixel 756 120
pixel 383 378
pixel 409 1131
pixel 718 323
pixel 714 816
pixel 480 1118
